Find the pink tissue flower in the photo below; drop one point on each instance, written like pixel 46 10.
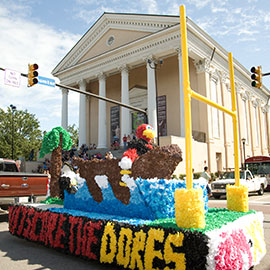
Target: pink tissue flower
pixel 233 252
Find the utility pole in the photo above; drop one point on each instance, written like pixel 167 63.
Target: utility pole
pixel 13 109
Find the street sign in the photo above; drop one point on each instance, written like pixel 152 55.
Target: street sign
pixel 46 81
pixel 12 78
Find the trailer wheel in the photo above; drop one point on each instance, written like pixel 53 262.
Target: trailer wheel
pixel 32 199
pixel 261 190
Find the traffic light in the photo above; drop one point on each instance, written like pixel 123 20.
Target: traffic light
pixel 256 76
pixel 32 74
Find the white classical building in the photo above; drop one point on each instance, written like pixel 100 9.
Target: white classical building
pixel 136 59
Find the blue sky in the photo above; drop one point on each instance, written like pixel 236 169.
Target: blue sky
pixel 43 31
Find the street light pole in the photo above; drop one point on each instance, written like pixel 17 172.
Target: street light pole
pixel 13 109
pixel 244 151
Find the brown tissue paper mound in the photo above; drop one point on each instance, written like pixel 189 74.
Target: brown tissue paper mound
pixel 90 168
pixel 160 162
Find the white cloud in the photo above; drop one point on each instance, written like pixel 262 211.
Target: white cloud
pixel 216 9
pixel 172 8
pixel 266 18
pixel 206 23
pixel 252 1
pixel 89 12
pixel 24 42
pixel 151 6
pixel 3 11
pixel 85 2
pixel 229 20
pixel 246 39
pixel 245 31
pixel 90 16
pixel 199 3
pixel 237 10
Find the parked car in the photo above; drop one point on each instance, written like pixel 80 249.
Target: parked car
pixel 254 184
pixel 14 183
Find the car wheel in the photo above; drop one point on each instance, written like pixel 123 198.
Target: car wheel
pixel 216 196
pixel 261 190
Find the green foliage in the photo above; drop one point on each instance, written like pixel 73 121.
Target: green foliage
pixel 25 131
pixel 196 175
pixel 74 134
pixel 51 141
pixel 215 218
pixel 50 200
pixel 213 177
pixel 181 176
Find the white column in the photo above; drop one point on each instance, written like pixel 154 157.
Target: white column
pixel 64 116
pixel 182 106
pixel 82 114
pixel 88 109
pixel 125 113
pixel 267 127
pixel 102 121
pixel 151 95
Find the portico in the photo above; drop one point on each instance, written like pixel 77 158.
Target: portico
pixel 117 59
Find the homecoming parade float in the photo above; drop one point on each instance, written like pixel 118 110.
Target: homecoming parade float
pixel 129 212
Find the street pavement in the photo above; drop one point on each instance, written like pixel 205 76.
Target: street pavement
pixel 19 254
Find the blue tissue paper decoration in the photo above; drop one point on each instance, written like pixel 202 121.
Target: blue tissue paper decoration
pixel 158 194
pixel 82 200
pixel 150 199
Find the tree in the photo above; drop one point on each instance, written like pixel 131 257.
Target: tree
pixel 25 132
pixel 54 142
pixel 74 134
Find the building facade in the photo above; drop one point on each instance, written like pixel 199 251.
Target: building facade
pixel 136 59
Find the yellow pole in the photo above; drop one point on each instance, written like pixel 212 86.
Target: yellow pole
pixel 211 103
pixel 189 208
pixel 187 97
pixel 237 195
pixel 235 129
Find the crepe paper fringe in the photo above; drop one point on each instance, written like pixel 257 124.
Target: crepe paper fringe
pixel 237 198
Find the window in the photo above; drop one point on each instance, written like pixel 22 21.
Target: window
pixel 246 136
pixel 249 175
pixel 110 40
pixel 256 126
pixel 215 112
pixel 229 122
pixel 10 167
pixel 264 130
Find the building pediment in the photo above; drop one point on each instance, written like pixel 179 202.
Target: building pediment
pixel 112 39
pixel 111 31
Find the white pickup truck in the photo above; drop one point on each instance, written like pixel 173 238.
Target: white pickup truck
pixel 254 184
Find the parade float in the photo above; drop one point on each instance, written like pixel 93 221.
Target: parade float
pixel 114 216
pixel 131 213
